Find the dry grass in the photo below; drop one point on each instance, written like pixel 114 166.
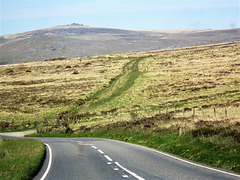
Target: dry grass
pixel 35 88
pixel 196 77
pixel 202 76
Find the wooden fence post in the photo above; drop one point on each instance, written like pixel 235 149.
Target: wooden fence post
pixel 180 131
pixel 226 112
pixel 183 112
pixel 202 111
pixel 12 124
pixel 193 113
pixel 214 109
pixel 47 125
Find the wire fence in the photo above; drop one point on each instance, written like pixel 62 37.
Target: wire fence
pixel 124 114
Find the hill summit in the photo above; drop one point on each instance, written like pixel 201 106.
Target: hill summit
pixel 77 40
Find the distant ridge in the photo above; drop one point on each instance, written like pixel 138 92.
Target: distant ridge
pixel 77 40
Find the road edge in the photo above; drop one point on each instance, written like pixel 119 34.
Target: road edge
pixel 46 164
pixel 180 159
pixel 49 161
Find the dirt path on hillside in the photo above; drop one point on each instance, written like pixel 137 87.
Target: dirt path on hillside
pixel 126 70
pixel 121 84
pixel 18 134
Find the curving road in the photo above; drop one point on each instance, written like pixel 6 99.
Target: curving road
pixel 90 158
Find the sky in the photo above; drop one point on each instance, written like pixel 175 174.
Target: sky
pixel 25 15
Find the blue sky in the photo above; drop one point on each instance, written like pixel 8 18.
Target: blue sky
pixel 25 15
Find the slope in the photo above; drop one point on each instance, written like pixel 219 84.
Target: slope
pixel 80 41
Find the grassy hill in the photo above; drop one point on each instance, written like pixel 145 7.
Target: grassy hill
pixel 183 101
pixel 124 86
pixel 81 41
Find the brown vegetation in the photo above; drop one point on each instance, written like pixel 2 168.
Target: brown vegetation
pixel 189 78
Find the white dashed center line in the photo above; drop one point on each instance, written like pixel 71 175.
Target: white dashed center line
pixel 108 158
pixel 130 172
pixel 110 162
pixel 94 147
pixel 100 151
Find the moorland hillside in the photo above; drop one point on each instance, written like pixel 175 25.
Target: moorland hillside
pixel 80 41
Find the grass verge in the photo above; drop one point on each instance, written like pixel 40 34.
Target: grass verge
pixel 20 158
pixel 208 144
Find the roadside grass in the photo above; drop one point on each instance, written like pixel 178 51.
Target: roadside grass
pixel 208 142
pixel 20 158
pixel 215 150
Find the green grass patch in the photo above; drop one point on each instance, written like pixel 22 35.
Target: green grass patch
pixel 111 83
pixel 20 158
pixel 127 84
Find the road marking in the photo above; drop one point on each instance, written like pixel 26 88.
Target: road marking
pixel 108 158
pixel 188 162
pixel 94 147
pixel 49 162
pixel 82 144
pixel 100 151
pixel 117 169
pixel 130 172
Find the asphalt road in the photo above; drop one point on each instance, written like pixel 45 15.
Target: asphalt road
pixel 89 158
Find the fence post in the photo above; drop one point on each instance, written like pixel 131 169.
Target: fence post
pixel 12 123
pixel 193 113
pixel 214 112
pixel 202 111
pixel 47 125
pixel 226 112
pixel 180 131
